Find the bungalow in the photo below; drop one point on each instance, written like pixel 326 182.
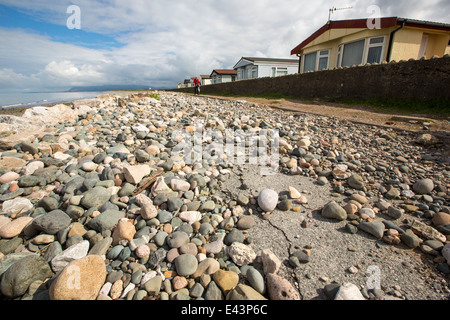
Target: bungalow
pixel 251 68
pixel 223 75
pixel 205 79
pixel 354 42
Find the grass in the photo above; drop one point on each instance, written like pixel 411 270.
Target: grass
pixel 439 108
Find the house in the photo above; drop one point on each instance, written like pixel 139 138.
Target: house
pixel 181 85
pixel 205 79
pixel 354 42
pixel 188 83
pixel 223 75
pixel 251 68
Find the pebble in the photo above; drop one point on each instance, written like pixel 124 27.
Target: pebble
pixel 241 254
pixel 91 275
pixel 280 289
pixel 267 200
pixel 332 210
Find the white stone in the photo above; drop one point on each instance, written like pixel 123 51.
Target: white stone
pixel 160 187
pixel 89 166
pixel 15 206
pixel 8 177
pixel 190 216
pixel 241 254
pixel 179 185
pixel 137 127
pixel 134 174
pixel 31 167
pixel 349 291
pixel 268 199
pixel 75 252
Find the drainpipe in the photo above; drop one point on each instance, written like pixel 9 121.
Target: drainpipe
pixel 299 62
pixel 391 41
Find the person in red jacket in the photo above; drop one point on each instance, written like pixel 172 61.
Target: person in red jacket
pixel 197 85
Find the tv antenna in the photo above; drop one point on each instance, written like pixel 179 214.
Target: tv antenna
pixel 332 10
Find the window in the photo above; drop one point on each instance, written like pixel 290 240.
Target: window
pixel 375 50
pixel 279 71
pixel 254 72
pixel 353 53
pixel 323 59
pixel 339 56
pixel 316 61
pixel 309 64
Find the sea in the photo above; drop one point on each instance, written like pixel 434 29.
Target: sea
pixel 31 99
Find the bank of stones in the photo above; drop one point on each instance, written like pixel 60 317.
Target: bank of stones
pixel 69 193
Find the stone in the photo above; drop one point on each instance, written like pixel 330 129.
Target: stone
pixel 213 292
pixel 294 193
pixel 101 247
pixel 410 239
pixel 426 231
pixel 244 292
pixel 241 254
pixel 15 206
pixel 245 222
pixel 125 230
pixel 9 177
pixel 256 280
pixel 268 200
pixel 105 220
pixel 423 186
pixel 48 203
pixel 375 228
pixel 186 264
pixel 441 218
pixel 356 182
pixel 190 216
pixel 279 288
pixel 271 263
pixel 349 291
pixel 142 251
pixel 207 266
pixel 214 247
pixel 95 197
pixel 179 185
pixel 51 222
pixel 226 280
pixel 75 252
pixel 18 277
pixel 177 239
pixel 15 227
pixel 148 210
pixel 81 279
pixel 134 174
pixel 332 210
pixel 10 163
pixel 446 253
pixel 160 187
pixel 153 285
pixel 394 213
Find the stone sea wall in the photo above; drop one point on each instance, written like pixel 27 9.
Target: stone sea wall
pixel 421 80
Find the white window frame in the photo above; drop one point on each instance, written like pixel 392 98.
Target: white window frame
pixel 276 69
pixel 369 45
pixel 318 56
pixel 321 55
pixel 339 55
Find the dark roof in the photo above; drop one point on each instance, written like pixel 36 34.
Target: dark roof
pixel 224 71
pixel 362 23
pixel 257 59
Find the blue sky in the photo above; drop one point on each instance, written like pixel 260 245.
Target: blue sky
pixel 158 43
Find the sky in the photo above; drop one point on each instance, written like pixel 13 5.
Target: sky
pixel 46 45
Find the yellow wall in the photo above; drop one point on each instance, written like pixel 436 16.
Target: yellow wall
pixel 407 42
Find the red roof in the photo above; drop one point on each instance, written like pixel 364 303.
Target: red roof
pixel 362 24
pixel 225 71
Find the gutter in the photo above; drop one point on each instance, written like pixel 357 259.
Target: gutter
pixel 299 62
pixel 391 40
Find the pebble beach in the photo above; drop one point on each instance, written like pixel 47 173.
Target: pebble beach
pixel 95 205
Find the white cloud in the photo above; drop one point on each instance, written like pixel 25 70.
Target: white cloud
pixel 167 41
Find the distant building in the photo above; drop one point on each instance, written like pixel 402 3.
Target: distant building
pixel 223 75
pixel 205 79
pixel 346 43
pixel 252 68
pixel 188 83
